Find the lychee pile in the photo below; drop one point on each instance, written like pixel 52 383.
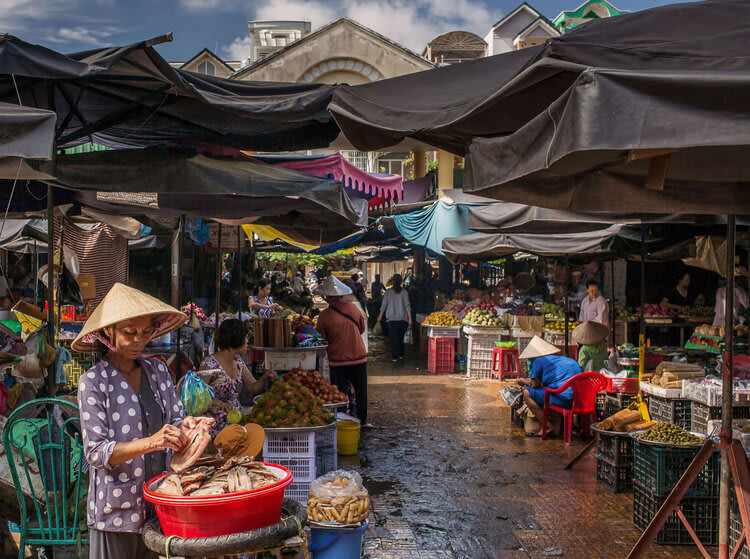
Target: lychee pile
pixel 289 404
pixel 318 385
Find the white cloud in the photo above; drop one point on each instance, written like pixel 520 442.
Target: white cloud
pixel 238 50
pixel 412 23
pixel 16 15
pixel 95 37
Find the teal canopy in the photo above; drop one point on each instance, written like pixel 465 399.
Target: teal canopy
pixel 444 219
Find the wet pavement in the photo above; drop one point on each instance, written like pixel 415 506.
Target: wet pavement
pixel 450 477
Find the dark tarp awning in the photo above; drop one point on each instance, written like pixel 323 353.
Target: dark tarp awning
pixel 131 97
pixel 676 52
pixel 507 217
pixel 173 182
pixel 607 242
pixel 26 132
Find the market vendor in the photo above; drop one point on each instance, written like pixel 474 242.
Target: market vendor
pixel 131 417
pixel 679 298
pixel 547 370
pixel 342 325
pixel 592 346
pixel 740 298
pixel 594 306
pixel 233 374
pixel 262 303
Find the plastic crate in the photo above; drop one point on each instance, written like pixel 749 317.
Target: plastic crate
pixel 441 355
pixel 618 479
pixel 674 410
pixel 298 491
pixel 701 512
pixel 622 385
pixel 288 444
pixel 479 361
pixel 303 469
pixel 601 403
pixel 453 332
pixel 615 449
pixel 701 414
pixel 657 470
pixel 616 402
pixel 736 528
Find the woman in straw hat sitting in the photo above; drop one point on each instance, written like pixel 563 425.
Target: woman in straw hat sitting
pixel 547 370
pixel 341 324
pixel 131 417
pixel 592 347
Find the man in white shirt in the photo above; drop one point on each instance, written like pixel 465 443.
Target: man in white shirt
pixel 740 298
pixel 594 306
pixel 297 284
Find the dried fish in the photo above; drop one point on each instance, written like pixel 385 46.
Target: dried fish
pixel 182 460
pixel 214 478
pixel 170 485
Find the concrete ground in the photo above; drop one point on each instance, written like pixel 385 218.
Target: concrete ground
pixel 450 477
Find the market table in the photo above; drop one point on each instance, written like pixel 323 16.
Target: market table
pixel 288 532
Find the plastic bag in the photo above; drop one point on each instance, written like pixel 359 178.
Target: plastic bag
pixel 377 329
pixel 195 394
pixel 339 498
pixel 68 291
pixel 408 337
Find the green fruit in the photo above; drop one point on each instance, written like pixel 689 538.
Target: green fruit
pixel 234 417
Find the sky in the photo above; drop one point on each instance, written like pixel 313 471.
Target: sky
pixel 221 25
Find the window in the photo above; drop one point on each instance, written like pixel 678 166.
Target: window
pixel 360 159
pixel 207 68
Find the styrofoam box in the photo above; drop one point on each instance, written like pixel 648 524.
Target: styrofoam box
pixel 286 360
pixel 649 388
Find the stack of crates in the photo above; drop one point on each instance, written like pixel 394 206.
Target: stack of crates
pixel 614 461
pixel 441 350
pixel 615 401
pixel 601 406
pixel 481 347
pixel 701 414
pixel 308 453
pixel 673 410
pixel 736 528
pixel 656 470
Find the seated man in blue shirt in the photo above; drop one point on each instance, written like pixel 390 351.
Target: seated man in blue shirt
pixel 547 370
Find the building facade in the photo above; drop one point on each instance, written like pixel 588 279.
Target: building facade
pixel 592 9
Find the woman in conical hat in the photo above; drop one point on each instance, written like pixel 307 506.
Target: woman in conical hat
pixel 131 417
pixel 547 369
pixel 592 347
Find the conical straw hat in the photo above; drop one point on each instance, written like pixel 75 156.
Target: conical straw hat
pixel 538 348
pixel 332 287
pixel 125 303
pixel 589 333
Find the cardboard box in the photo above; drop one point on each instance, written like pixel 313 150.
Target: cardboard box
pixel 87 284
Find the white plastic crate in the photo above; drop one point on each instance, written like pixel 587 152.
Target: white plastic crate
pixel 288 444
pixel 284 359
pixel 453 332
pixel 298 491
pixel 303 469
pixel 479 362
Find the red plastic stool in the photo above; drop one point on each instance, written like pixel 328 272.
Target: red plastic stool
pixel 505 363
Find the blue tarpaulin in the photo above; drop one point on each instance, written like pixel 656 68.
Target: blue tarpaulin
pixel 429 226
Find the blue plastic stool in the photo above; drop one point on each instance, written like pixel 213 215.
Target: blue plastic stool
pixel 337 543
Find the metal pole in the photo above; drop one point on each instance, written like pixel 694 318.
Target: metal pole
pixel 36 273
pixel 51 384
pixel 614 314
pixel 239 269
pixel 177 288
pixel 726 407
pixel 565 304
pixel 218 277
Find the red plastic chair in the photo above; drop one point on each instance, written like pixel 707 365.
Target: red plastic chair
pixel 585 388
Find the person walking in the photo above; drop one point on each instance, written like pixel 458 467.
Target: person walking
pixel 342 324
pixel 397 311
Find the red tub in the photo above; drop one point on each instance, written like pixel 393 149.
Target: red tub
pixel 219 515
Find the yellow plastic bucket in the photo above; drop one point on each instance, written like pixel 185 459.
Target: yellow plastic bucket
pixel 348 437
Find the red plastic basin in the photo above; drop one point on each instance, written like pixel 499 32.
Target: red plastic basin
pixel 219 515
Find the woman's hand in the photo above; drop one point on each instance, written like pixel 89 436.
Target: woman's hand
pixel 269 376
pixel 203 423
pixel 275 307
pixel 223 406
pixel 168 437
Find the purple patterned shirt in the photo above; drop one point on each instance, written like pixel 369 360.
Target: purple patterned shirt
pixel 111 414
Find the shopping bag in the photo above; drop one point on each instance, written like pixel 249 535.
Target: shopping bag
pixel 408 337
pixel 196 396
